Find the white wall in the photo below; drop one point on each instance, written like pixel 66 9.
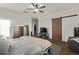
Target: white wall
pixel 44 20
pixel 15 18
pixel 68 27
pixel 68 24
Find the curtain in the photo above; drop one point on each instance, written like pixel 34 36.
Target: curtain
pixel 5 28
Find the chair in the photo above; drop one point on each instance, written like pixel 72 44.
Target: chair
pixel 73 44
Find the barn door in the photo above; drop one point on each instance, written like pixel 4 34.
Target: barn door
pixel 57 28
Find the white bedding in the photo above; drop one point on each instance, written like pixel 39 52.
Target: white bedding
pixel 20 46
pixel 39 41
pixel 25 45
pixel 4 46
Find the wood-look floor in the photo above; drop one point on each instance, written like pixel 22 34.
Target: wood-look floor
pixel 64 49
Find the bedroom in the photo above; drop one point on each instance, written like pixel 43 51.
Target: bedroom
pixel 17 21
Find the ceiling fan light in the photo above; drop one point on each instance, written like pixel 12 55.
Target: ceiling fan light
pixel 36 10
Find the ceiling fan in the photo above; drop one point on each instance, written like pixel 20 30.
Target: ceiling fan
pixel 36 8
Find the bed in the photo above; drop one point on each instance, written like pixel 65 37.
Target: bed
pixel 39 41
pixel 25 45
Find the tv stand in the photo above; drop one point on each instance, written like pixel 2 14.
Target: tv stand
pixel 44 35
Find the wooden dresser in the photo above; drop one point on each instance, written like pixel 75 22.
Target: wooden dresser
pixel 18 31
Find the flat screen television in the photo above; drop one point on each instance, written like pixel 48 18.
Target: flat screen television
pixel 43 29
pixel 76 31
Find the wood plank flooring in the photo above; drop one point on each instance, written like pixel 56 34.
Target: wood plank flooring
pixel 64 49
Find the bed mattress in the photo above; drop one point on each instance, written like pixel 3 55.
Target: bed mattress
pixel 39 41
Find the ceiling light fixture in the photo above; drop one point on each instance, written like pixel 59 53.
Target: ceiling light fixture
pixel 36 10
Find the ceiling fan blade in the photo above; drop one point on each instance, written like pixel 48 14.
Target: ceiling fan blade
pixel 41 11
pixel 25 11
pixel 33 4
pixel 42 7
pixel 30 9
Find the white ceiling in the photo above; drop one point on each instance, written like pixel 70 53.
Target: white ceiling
pixel 50 7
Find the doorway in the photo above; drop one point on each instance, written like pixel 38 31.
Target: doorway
pixel 57 29
pixel 35 29
pixel 35 26
pixel 26 30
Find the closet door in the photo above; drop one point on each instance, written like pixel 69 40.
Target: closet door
pixel 57 28
pixel 18 31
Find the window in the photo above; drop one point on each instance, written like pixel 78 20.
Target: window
pixel 5 28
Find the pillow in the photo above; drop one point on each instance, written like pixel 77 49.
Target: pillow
pixel 4 46
pixel 1 37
